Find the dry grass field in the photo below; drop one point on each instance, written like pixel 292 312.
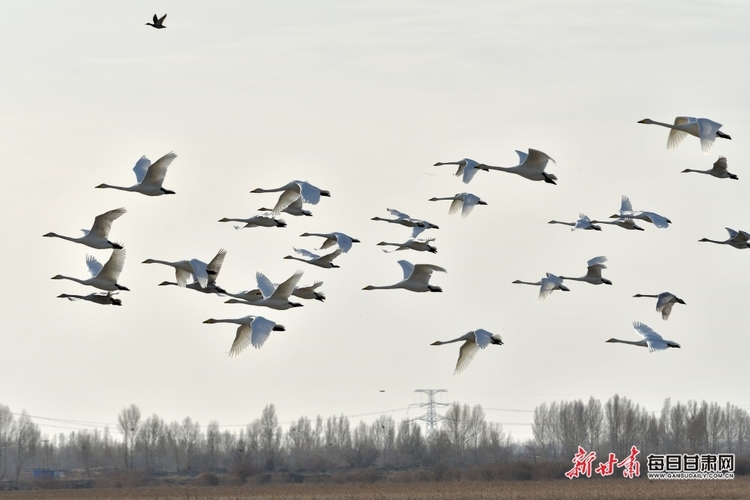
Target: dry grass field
pixel 464 490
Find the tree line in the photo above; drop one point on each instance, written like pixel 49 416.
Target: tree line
pixel 464 439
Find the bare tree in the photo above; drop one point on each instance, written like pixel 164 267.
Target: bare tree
pixel 410 445
pixel 6 435
pixel 270 438
pixel 363 452
pixel 190 433
pixel 172 433
pixel 128 420
pixel 594 421
pixel 152 441
pixel 26 440
pixel 383 431
pixel 213 443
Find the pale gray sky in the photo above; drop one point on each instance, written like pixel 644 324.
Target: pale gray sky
pixel 362 99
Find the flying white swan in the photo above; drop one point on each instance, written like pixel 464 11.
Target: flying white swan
pixel 309 292
pixel 273 296
pixel 295 208
pixel 251 297
pixel 194 285
pixel 417 225
pixel 546 285
pixel 212 271
pixel 583 222
pixel 737 239
pixel 184 269
pixel 343 241
pixel 149 176
pixel 473 341
pixel 703 128
pixel 719 170
pixel 253 330
pixel 256 221
pixel 292 191
pixel 158 22
pixel 621 222
pixel 461 201
pixel 531 166
pixel 627 212
pixel 324 261
pixel 97 298
pixel 97 236
pixel 102 277
pixel 593 273
pixel 651 339
pixel 411 244
pixel 466 168
pixel 664 302
pixel 416 278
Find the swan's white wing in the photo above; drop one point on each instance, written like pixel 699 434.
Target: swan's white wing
pixel 422 272
pixel 583 222
pixel 456 205
pixel 309 193
pixel 306 253
pixel 654 341
pixel 656 219
pixel 284 290
pixel 93 265
pixel 707 132
pixel 625 205
pixel 407 267
pixel 103 222
pixel 536 160
pixel 266 287
pixel 469 202
pixel 396 213
pixel 466 353
pixel 261 330
pixel 721 164
pixel 183 276
pixel 417 230
pixel 482 337
pixel 241 340
pixel 597 261
pixel 469 170
pixel 666 310
pixel 330 256
pixel 676 136
pixel 214 267
pixel 286 198
pixel 344 241
pixel 141 167
pixel 200 271
pixel 113 267
pixel 521 157
pixel 158 170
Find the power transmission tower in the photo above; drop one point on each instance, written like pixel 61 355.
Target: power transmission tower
pixel 431 417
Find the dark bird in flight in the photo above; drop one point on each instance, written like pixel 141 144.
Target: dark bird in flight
pixel 158 22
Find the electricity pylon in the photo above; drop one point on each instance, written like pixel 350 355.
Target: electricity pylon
pixel 431 417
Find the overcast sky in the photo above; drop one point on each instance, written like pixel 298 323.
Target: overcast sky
pixel 362 99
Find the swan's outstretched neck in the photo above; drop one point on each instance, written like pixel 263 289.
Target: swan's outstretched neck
pixel 649 121
pixel 519 282
pixel 108 186
pixel 696 171
pixel 631 342
pixel 644 295
pixel 712 241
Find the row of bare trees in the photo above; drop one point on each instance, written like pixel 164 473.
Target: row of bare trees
pixel 19 441
pixel 464 438
pixel 692 427
pixel 308 445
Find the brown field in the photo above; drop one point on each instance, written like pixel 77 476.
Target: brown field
pixel 557 489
